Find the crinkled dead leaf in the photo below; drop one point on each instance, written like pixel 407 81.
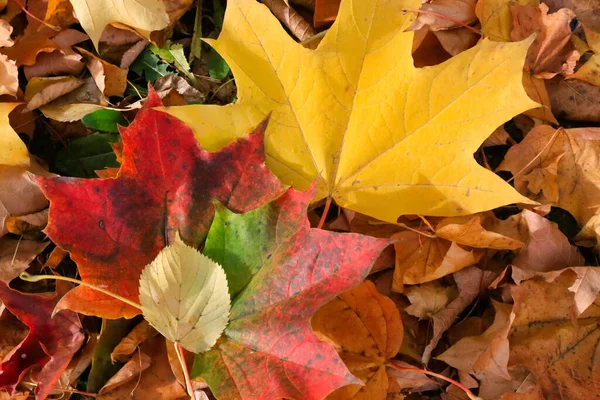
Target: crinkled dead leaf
pixel 559 167
pixel 14 152
pixel 325 12
pixel 585 288
pixel 548 248
pixel 366 135
pixel 280 272
pixel 366 328
pixel 421 259
pixel 471 282
pixel 552 52
pixel 144 16
pixel 184 295
pixel 110 79
pixel 129 344
pixel 19 195
pixel 461 11
pixel 487 353
pixel 428 299
pixel 130 371
pixel 118 226
pixel 574 100
pixel 16 255
pixel 590 71
pixel 41 91
pixel 562 353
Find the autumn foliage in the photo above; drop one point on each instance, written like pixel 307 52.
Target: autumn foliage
pixel 307 200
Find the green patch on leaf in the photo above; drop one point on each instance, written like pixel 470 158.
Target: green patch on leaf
pixel 104 120
pixel 83 156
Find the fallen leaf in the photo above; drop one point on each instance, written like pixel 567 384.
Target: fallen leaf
pixel 16 255
pixel 19 195
pixel 76 104
pixel 415 381
pixel 559 352
pixel 574 100
pixel 487 353
pixel 428 299
pixel 421 259
pixel 558 167
pixel 294 21
pixel 552 51
pixel 325 12
pixel 59 13
pixel 144 16
pixel 14 152
pixel 585 287
pixel 184 296
pixel 471 282
pixel 367 137
pixel 41 91
pixel 366 328
pixel 51 342
pixel 110 79
pixel 156 383
pixel 155 171
pixel 131 370
pixel 548 248
pixel 280 272
pixel 129 344
pixel 590 71
pixel 59 58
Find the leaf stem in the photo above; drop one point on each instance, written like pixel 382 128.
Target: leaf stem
pixel 36 278
pixel 186 374
pixel 325 212
pixel 469 394
pixel 53 27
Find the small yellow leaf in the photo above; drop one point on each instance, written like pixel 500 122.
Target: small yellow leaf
pixel 144 16
pixel 14 152
pixel 184 295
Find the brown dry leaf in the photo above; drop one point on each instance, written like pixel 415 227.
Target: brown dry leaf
pixel 552 52
pixel 131 370
pixel 559 167
pixel 12 332
pixel 179 85
pixel 455 41
pixel 482 230
pixel 60 13
pixel 156 383
pixel 428 299
pixel 548 249
pixel 585 288
pixel 487 353
pixel 59 61
pixel 471 282
pixel 325 12
pixel 412 380
pixel 16 255
pixel 536 90
pixel 574 100
pixel 421 259
pixel 299 27
pixel 175 10
pixel 496 19
pixel 562 354
pixel 41 91
pixel 457 10
pixel 590 71
pixel 19 195
pixel 56 257
pixel 130 343
pixel 9 79
pixel 76 104
pixel 110 79
pixel 366 328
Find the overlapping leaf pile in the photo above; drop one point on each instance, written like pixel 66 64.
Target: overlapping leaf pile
pixel 438 237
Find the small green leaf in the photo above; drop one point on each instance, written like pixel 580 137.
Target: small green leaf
pixel 83 156
pixel 217 66
pixel 104 120
pixel 184 295
pixel 147 64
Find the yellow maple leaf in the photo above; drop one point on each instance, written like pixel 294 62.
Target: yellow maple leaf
pixel 144 16
pixel 383 137
pixel 12 149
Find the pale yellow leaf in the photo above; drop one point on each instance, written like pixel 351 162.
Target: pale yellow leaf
pixel 381 136
pixel 144 16
pixel 184 295
pixel 12 149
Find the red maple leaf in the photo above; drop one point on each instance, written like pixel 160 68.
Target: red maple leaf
pixel 114 227
pixel 50 344
pixel 280 271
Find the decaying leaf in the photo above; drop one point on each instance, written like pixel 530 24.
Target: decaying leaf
pixel 184 295
pixel 366 328
pixel 561 353
pixel 367 137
